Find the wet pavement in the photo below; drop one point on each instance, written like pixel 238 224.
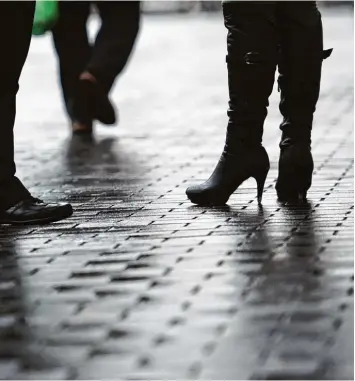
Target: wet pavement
pixel 140 284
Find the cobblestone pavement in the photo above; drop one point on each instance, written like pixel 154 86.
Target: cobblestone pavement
pixel 140 284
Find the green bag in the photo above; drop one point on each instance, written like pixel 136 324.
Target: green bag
pixel 46 15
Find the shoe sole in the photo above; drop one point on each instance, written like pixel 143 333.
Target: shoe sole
pixel 293 184
pixel 41 221
pixel 293 197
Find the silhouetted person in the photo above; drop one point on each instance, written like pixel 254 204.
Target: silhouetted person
pixel 87 72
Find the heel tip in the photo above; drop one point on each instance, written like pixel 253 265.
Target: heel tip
pixel 302 197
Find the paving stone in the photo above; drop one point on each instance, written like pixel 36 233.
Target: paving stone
pixel 70 355
pixel 54 374
pixel 8 368
pixel 106 366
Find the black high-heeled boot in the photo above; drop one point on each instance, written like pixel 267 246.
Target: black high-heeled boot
pixel 251 62
pixel 231 171
pixel 300 62
pixel 295 169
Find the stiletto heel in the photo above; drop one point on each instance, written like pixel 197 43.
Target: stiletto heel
pixel 302 196
pixel 260 181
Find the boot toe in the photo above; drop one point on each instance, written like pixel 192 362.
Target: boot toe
pixel 193 190
pixel 205 196
pixel 196 194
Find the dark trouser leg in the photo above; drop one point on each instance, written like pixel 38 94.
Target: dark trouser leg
pixel 16 17
pixel 72 46
pixel 115 40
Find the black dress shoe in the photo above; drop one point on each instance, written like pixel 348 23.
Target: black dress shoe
pixel 90 102
pixel 34 211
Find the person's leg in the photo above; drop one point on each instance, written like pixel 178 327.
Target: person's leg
pixel 115 40
pixel 110 53
pixel 17 18
pixel 16 203
pixel 251 61
pixel 300 62
pixel 72 47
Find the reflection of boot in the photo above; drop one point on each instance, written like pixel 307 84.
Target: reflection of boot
pixel 252 56
pixel 300 64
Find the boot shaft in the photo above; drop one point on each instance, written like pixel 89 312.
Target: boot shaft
pixel 262 35
pixel 251 63
pixel 299 63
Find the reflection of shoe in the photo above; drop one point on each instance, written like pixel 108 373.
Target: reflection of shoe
pixel 82 128
pixel 90 102
pixel 34 211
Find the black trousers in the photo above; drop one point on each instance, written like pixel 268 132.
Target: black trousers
pixel 107 57
pixel 15 37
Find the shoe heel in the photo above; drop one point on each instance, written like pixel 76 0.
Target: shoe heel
pixel 260 178
pixel 302 196
pixel 293 191
pixel 295 173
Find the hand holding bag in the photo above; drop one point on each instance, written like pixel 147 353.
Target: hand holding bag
pixel 46 15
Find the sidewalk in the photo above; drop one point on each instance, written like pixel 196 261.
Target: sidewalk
pixel 141 284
